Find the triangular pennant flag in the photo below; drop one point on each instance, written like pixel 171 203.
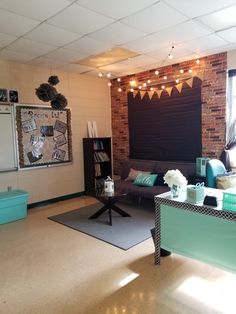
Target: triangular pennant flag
pixel 135 92
pixel 200 76
pixel 159 92
pixel 150 94
pixel 169 90
pixel 190 82
pixel 179 87
pixel 142 93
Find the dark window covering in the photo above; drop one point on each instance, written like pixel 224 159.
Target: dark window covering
pixel 166 128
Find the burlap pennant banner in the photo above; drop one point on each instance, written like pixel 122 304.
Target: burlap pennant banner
pixel 189 82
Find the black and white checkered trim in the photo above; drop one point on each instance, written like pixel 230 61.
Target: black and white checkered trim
pixel 205 210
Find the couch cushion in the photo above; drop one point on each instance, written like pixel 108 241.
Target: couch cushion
pixel 186 168
pixel 130 188
pixel 160 179
pixel 133 173
pixel 142 165
pixel 145 179
pixel 226 181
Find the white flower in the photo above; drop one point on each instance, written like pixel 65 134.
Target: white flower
pixel 175 177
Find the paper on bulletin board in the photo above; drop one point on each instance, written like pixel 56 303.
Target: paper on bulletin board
pixel 44 136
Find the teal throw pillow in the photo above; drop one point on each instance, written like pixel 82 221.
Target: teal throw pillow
pixel 145 179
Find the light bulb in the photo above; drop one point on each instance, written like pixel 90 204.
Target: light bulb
pixel 181 71
pixel 165 77
pixel 132 83
pixel 190 70
pixel 118 80
pixel 151 88
pixel 177 81
pixel 156 72
pixel 197 61
pixel 148 81
pixel 131 89
pixel 119 89
pixel 163 87
pixel 140 87
pixel 108 75
pixel 100 74
pixel 170 56
pixel 109 84
pixel 144 84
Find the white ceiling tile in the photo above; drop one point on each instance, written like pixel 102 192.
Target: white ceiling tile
pixel 177 52
pixel 65 55
pixel 76 68
pixel 229 35
pixel 14 24
pixel 217 50
pixel 197 8
pixel 35 9
pixel 203 43
pixel 221 19
pixel 15 56
pixel 118 67
pixel 143 44
pixel 179 33
pixel 116 9
pixel 154 18
pixel 117 33
pixel 6 39
pixel 80 20
pixel 46 62
pixel 159 54
pixel 139 61
pixel 89 46
pixel 53 35
pixel 29 46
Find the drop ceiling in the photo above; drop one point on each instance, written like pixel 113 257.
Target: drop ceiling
pixel 120 37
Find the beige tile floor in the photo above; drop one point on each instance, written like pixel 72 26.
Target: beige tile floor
pixel 47 268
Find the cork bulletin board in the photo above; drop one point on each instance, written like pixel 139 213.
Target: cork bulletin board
pixel 44 136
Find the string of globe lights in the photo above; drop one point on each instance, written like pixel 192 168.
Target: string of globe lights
pixel 161 81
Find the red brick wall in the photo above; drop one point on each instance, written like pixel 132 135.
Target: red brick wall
pixel 212 71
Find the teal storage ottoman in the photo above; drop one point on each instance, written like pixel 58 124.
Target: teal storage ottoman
pixel 13 205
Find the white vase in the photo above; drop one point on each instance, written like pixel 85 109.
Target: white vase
pixel 174 191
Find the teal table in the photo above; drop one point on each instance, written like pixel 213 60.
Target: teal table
pixel 196 231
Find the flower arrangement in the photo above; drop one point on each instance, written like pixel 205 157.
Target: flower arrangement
pixel 174 177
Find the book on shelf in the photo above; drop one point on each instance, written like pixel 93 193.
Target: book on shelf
pixel 97 169
pixel 98 145
pixel 101 156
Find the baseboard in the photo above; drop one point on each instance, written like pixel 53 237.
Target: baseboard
pixel 56 199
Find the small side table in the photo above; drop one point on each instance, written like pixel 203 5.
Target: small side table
pixel 194 178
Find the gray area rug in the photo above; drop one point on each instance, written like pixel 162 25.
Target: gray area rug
pixel 124 233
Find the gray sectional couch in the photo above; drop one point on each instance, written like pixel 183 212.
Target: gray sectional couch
pixel 159 167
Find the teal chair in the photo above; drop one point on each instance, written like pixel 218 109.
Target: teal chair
pixel 214 167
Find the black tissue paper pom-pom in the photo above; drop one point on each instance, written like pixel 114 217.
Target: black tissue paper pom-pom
pixel 46 92
pixel 53 80
pixel 60 102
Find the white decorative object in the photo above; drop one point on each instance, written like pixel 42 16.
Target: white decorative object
pixel 195 193
pixel 109 185
pixel 92 129
pixel 175 180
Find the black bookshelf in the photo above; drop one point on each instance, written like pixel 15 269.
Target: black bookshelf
pixel 97 162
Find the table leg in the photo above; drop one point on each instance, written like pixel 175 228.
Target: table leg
pixel 120 211
pixel 157 242
pixel 109 206
pixel 100 212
